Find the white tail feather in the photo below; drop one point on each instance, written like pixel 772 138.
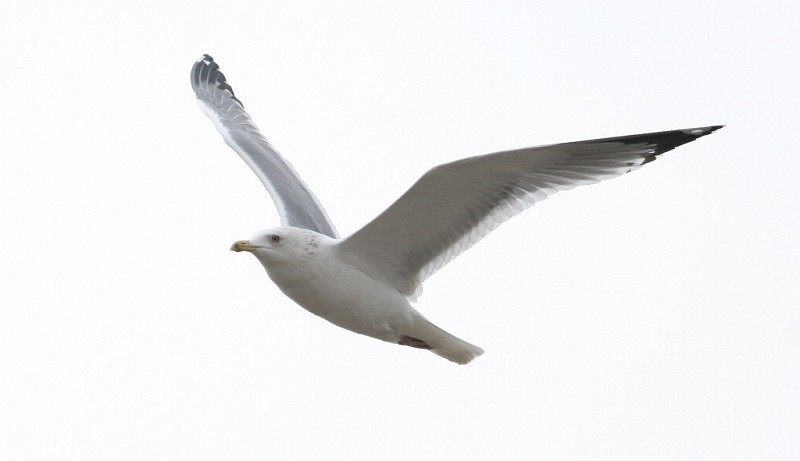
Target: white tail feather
pixel 446 345
pixel 458 351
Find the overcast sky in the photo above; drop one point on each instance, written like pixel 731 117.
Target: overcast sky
pixel 653 316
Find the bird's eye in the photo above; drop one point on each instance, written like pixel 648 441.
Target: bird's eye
pixel 275 239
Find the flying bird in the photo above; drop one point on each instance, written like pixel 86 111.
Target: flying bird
pixel 365 282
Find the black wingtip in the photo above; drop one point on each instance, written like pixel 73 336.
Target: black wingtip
pixel 662 141
pixel 206 72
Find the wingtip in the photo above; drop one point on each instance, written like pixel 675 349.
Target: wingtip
pixel 206 73
pixel 702 131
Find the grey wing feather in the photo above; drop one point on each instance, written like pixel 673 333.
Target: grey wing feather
pixel 454 205
pixel 297 205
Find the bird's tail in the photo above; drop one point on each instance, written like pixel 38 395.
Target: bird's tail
pixel 446 345
pixel 458 351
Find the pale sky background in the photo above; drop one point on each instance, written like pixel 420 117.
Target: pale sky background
pixel 654 316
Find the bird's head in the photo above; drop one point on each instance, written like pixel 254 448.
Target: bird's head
pixel 280 244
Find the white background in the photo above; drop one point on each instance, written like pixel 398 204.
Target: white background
pixel 654 316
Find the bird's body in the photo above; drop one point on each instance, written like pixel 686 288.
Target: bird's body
pixel 364 283
pixel 308 268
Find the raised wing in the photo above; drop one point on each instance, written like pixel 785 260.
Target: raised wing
pixel 454 205
pixel 297 205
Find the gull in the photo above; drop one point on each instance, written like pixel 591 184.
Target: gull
pixel 365 282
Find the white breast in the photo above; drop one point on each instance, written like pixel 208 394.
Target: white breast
pixel 343 295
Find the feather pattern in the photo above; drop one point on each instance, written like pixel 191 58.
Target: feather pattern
pixel 297 205
pixel 453 206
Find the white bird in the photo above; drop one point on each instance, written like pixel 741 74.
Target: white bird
pixel 364 282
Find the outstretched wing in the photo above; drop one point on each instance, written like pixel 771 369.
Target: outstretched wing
pixel 297 205
pixel 454 205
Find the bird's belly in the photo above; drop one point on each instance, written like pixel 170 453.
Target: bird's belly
pixel 350 299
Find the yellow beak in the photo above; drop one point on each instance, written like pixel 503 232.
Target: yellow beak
pixel 243 245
